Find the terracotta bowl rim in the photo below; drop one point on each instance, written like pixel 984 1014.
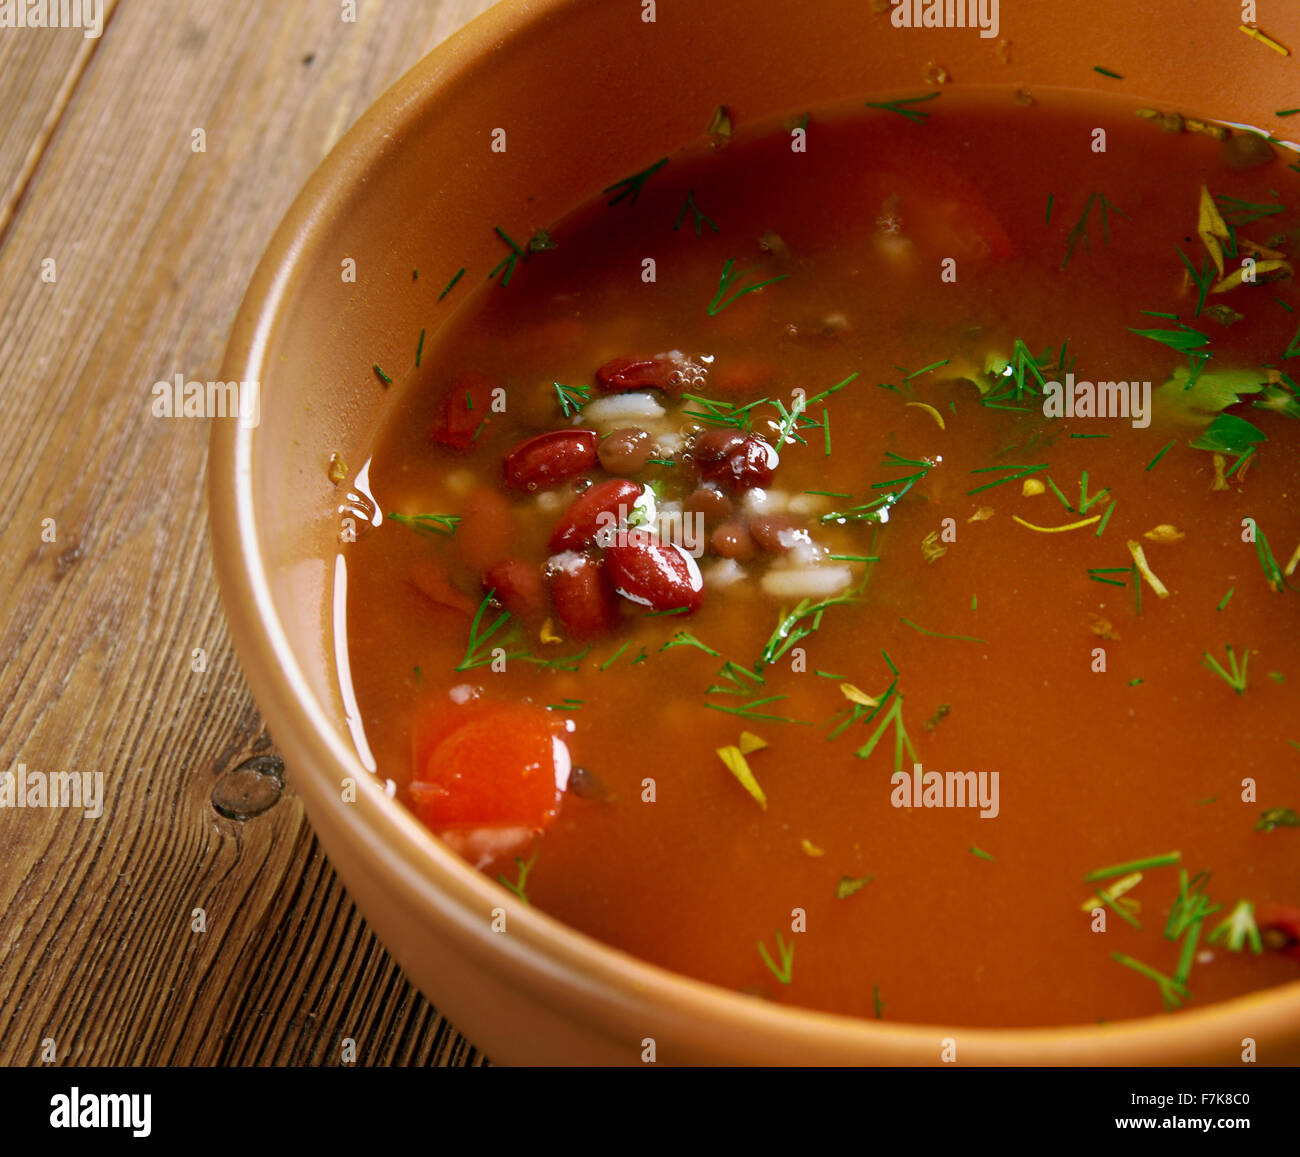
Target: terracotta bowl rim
pixel 542 954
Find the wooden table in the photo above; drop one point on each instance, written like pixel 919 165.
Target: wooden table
pixel 123 256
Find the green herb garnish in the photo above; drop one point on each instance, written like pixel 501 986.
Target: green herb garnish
pixel 793 626
pixel 1172 993
pixel 518 886
pixel 700 218
pixel 631 186
pixel 1278 817
pixel 1020 472
pixel 785 973
pixel 1079 232
pixel 940 635
pixel 1238 929
pixel 686 639
pixel 571 398
pixel 725 283
pixel 511 259
pixel 477 653
pixel 451 284
pixel 1236 677
pixel 902 106
pixel 1164 861
pixel 437 524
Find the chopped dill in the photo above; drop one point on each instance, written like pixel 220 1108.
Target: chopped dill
pixel 1278 817
pixel 1223 602
pixel 383 377
pixel 983 855
pixel 1105 518
pixel 1079 231
pixel 1237 212
pixel 700 217
pixel 1238 929
pixel 727 280
pixel 1171 991
pixel 1164 861
pixel 1107 72
pixel 452 283
pixel 793 626
pixel 902 107
pixel 1235 676
pixel 1202 279
pixel 893 716
pixel 686 639
pixel 571 398
pixel 631 186
pixel 715 413
pixel 510 260
pixel 437 524
pixel 1272 572
pixel 1019 472
pixel 939 635
pixel 605 666
pixel 520 884
pixel 785 973
pixel 1164 450
pixel 750 711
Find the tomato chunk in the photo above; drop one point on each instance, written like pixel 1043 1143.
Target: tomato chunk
pixel 489 764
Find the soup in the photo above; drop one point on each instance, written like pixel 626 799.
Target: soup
pixel 850 562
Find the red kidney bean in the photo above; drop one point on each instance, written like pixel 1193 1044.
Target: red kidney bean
pixel 733 460
pixel 583 598
pixel 671 373
pixel 775 533
pixel 625 451
pixel 732 540
pixel 579 524
pixel 550 458
pixel 486 530
pixel 466 405
pixel 654 574
pixel 518 586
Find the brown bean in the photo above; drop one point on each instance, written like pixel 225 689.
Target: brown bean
pixel 550 458
pixel 732 540
pixel 1246 151
pixel 733 460
pixel 713 504
pixel 655 574
pixel 625 451
pixel 775 533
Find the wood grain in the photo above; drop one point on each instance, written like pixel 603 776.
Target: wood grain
pixel 153 246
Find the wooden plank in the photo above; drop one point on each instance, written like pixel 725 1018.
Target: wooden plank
pixel 153 246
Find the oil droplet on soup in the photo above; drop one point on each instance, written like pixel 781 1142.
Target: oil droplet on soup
pixel 863 576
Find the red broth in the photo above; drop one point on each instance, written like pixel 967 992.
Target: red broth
pixel 942 251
